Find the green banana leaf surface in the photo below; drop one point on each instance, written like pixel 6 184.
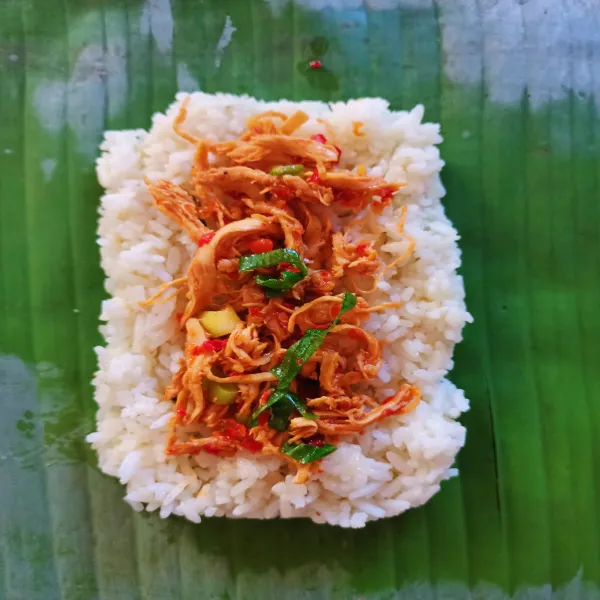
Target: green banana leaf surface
pixel 516 87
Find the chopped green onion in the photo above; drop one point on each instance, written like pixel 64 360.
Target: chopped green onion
pixel 275 396
pixel 288 279
pixel 281 170
pixel 298 353
pixel 296 356
pixel 307 453
pixel 297 403
pixel 221 393
pixel 270 259
pixel 276 286
pixel 280 415
pixel 282 409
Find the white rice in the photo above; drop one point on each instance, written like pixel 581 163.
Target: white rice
pixel 394 465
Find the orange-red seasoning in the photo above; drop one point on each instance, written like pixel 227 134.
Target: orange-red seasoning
pixel 315 441
pixel 206 239
pixel 355 335
pixel 282 192
pixel 265 396
pixel 211 449
pixel 319 137
pixel 314 178
pixel 233 429
pixel 261 245
pixel 251 445
pixel 361 248
pixel 287 267
pixel 209 346
pixel 339 151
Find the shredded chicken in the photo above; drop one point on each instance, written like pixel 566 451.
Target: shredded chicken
pixel 254 184
pixel 242 325
pixel 277 149
pixel 203 276
pixel 174 202
pixel 405 400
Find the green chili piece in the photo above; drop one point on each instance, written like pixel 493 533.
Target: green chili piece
pixel 281 170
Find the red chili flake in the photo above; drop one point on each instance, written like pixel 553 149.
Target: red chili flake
pixel 206 239
pixel 339 151
pixel 315 64
pixel 255 312
pixel 233 429
pixel 316 441
pixel 319 137
pixel 299 362
pixel 314 178
pixel 282 191
pixel 209 346
pixel 385 199
pixel 361 249
pixel 261 245
pixel 386 195
pixel 287 267
pixel 264 417
pixel 179 316
pixel 211 449
pixel 264 397
pixel 251 445
pixel 181 412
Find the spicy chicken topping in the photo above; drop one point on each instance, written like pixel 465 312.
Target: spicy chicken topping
pixel 276 360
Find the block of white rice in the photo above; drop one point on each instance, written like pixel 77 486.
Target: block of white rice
pixel 394 465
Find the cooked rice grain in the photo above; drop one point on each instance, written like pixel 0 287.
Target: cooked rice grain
pixel 394 465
